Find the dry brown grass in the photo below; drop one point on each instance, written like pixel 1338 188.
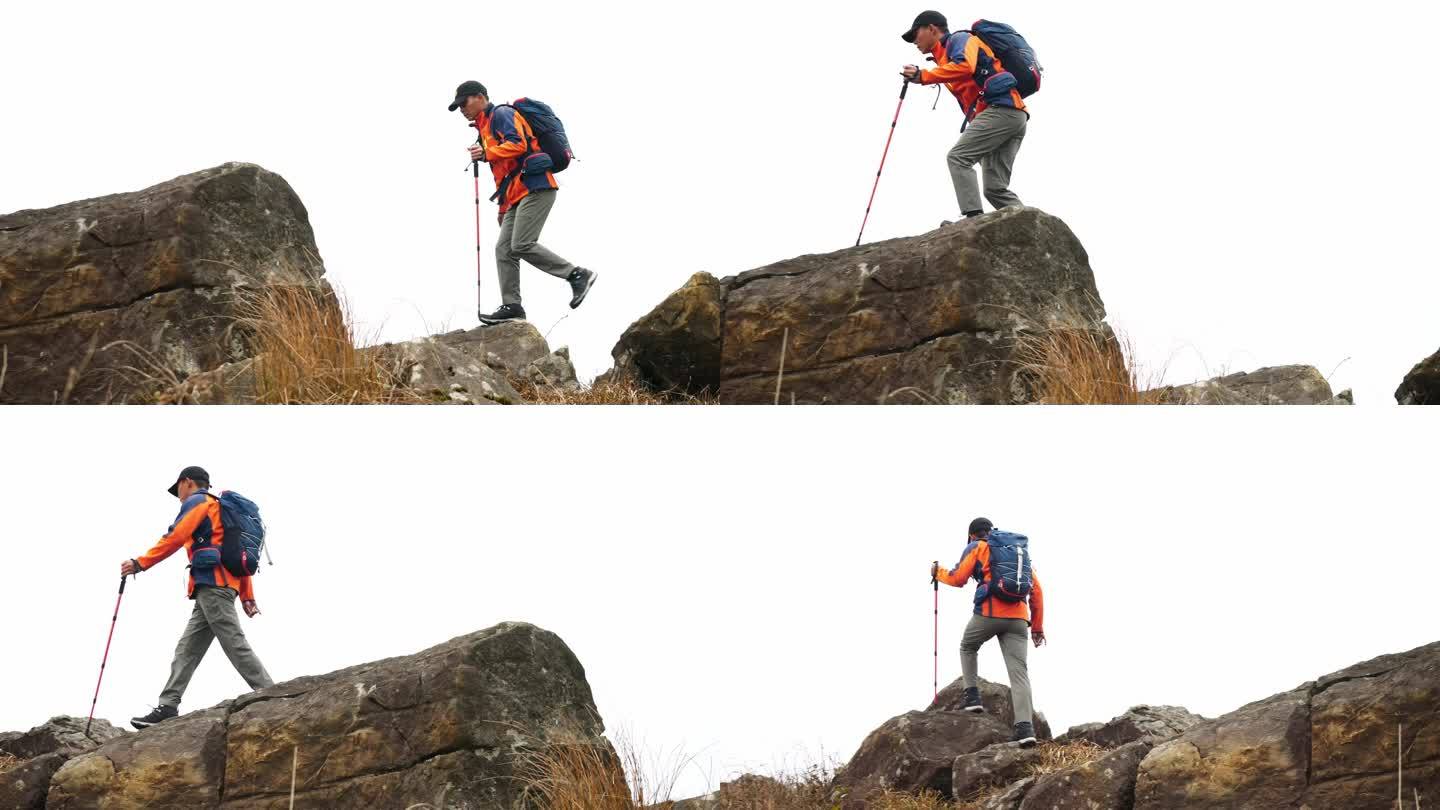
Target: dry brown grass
pixel 1062 756
pixel 607 392
pixel 1073 365
pixel 574 775
pixel 306 351
pixel 928 800
pixel 7 762
pixel 577 774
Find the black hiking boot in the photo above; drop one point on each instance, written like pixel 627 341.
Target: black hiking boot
pixel 972 701
pixel 505 314
pixel 159 715
pixel 1024 734
pixel 581 280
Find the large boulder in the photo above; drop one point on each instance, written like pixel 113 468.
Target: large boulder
pixel 1151 724
pixel 676 348
pixel 1422 384
pixel 1256 756
pixel 453 721
pixel 1359 716
pixel 912 753
pixel 1336 742
pixel 994 767
pixel 38 753
pixel 994 697
pixel 145 280
pixel 932 318
pixel 1280 385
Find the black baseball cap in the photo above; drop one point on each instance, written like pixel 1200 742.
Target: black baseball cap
pixel 465 91
pixel 196 474
pixel 980 526
pixel 925 18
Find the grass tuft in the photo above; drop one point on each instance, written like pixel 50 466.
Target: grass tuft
pixel 307 352
pixel 1075 365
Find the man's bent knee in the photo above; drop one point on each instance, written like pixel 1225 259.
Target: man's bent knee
pixel 960 160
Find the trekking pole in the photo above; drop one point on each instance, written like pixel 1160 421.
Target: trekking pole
pixel 904 88
pixel 479 306
pixel 106 658
pixel 935 582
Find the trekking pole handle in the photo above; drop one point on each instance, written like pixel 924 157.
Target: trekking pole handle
pixel 904 88
pixel 122 584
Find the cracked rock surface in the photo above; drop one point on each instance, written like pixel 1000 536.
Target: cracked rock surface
pixel 1329 743
pixel 445 725
pixel 927 318
pixel 143 279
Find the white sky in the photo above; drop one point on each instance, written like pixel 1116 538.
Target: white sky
pixel 749 586
pixel 1253 181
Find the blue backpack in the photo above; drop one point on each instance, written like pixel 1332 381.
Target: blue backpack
pixel 549 131
pixel 1016 55
pixel 244 535
pixel 1010 564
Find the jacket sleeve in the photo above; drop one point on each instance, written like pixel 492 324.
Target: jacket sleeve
pixel 505 141
pixel 180 533
pixel 1037 604
pixel 963 58
pixel 247 589
pixel 960 575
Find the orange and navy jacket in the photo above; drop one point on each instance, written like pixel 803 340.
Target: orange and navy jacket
pixel 198 528
pixel 959 58
pixel 975 564
pixel 509 142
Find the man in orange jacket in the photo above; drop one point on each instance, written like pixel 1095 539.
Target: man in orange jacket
pixel 526 190
pixel 994 111
pixel 994 617
pixel 199 531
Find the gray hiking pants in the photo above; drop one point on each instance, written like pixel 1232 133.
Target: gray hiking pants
pixel 520 239
pixel 1014 635
pixel 214 617
pixel 993 140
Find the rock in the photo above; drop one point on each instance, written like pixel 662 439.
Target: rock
pixel 1422 384
pixel 932 318
pixel 1010 798
pixel 1330 743
pixel 1151 724
pixel 996 766
pixel 24 784
pixel 450 721
pixel 447 369
pixel 40 752
pixel 178 763
pixel 914 752
pixel 480 366
pixel 1108 782
pixel 230 384
pixel 1256 756
pixel 1283 385
pixel 144 279
pixel 676 348
pixel 1355 715
pixel 554 370
pixel 996 699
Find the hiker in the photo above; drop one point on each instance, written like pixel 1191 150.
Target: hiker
pixel 995 114
pixel 525 188
pixel 1000 612
pixel 199 530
